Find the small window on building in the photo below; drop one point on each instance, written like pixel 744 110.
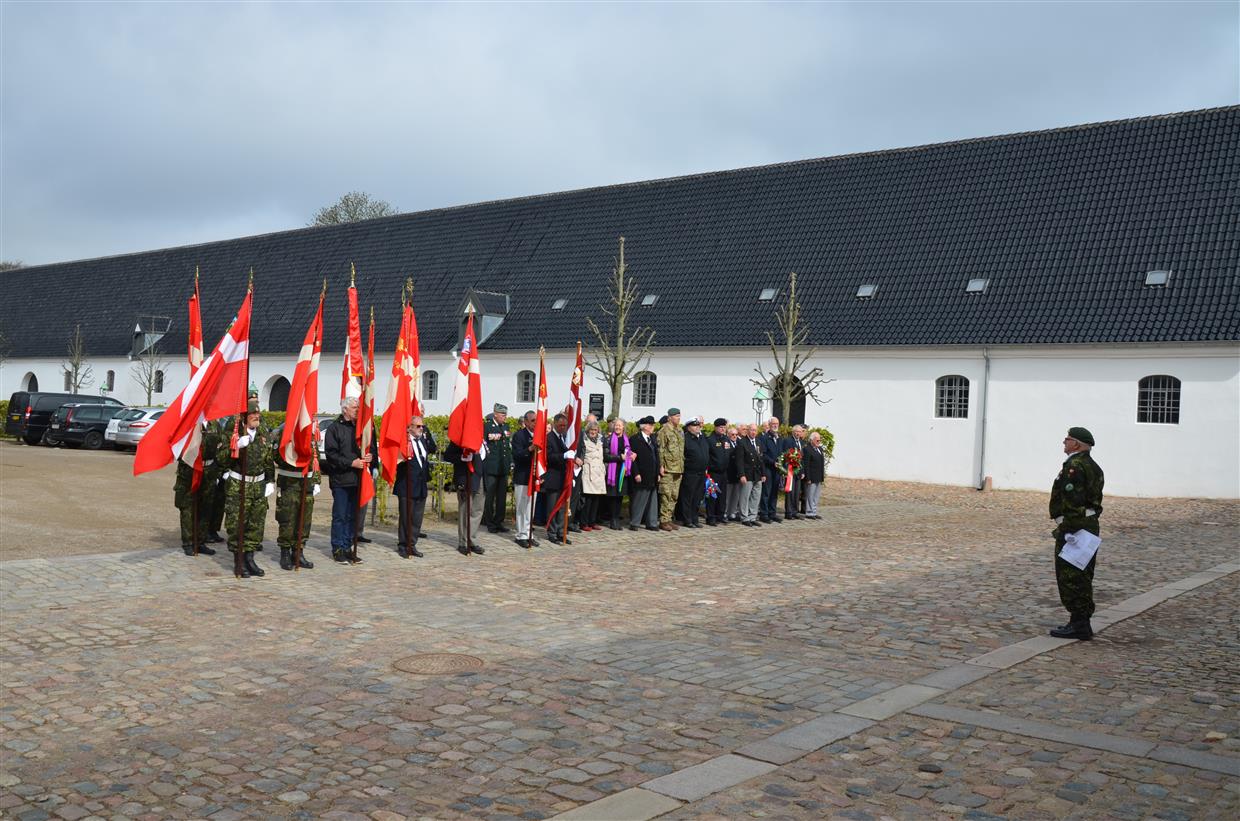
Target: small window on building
pixel 1157 279
pixel 767 295
pixel 951 397
pixel 1158 400
pixel 559 304
pixel 109 381
pixel 649 299
pixel 527 384
pixel 430 386
pixel 644 385
pixel 867 291
pixel 158 384
pixel 976 286
pixel 68 381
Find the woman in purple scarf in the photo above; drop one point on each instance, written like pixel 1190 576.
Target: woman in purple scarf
pixel 619 459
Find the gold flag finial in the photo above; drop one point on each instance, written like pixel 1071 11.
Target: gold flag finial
pixel 250 286
pixel 324 291
pixel 352 276
pixel 195 277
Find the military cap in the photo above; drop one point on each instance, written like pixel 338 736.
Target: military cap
pixel 646 420
pixel 692 421
pixel 499 408
pixel 662 420
pixel 252 407
pixel 1081 435
pixel 673 411
pixel 721 422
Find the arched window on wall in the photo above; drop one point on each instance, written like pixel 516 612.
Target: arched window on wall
pixel 527 385
pixel 1158 400
pixel 644 389
pixel 430 386
pixel 158 386
pixel 951 397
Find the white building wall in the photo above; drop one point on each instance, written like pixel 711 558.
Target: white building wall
pixel 881 406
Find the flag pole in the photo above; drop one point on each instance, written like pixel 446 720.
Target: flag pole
pixel 193 496
pixel 406 297
pixel 542 352
pixel 238 560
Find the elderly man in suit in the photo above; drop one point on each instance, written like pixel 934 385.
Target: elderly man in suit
pixel 646 474
pixel 559 471
pixel 750 474
pixel 769 445
pixel 815 466
pixel 410 487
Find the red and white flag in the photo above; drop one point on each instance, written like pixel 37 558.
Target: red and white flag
pixel 366 421
pixel 298 445
pixel 217 389
pixel 465 423
pixel 193 451
pixel 538 465
pixel 411 345
pixel 354 372
pixel 394 429
pixel 573 439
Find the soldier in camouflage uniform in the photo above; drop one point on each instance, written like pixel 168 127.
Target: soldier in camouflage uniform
pixel 212 487
pixel 289 481
pixel 254 456
pixel 1076 504
pixel 671 440
pixel 186 499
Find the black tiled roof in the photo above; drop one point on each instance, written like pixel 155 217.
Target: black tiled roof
pixel 1064 223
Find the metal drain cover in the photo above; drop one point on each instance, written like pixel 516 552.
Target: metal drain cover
pixel 438 664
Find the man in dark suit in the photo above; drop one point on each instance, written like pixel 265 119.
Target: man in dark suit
pixel 768 443
pixel 693 481
pixel 792 498
pixel 750 474
pixel 410 488
pixel 468 484
pixel 646 472
pixel 720 447
pixel 815 473
pixel 495 468
pixel 522 457
pixel 553 480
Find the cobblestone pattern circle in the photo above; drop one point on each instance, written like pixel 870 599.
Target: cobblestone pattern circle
pixel 438 664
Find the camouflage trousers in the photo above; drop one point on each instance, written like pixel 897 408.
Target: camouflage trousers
pixel 185 504
pixel 255 514
pixel 288 499
pixel 669 496
pixel 213 501
pixel 1076 586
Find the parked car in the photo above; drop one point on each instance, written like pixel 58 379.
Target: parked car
pixel 31 413
pixel 125 415
pixel 79 423
pixel 129 432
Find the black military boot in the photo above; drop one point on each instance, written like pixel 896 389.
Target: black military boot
pixel 206 551
pixel 254 569
pixel 245 569
pixel 187 549
pixel 286 558
pixel 303 562
pixel 1078 628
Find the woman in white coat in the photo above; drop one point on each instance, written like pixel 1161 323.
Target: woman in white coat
pixel 593 476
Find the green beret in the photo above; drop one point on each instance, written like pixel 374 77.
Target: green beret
pixel 252 407
pixel 1081 435
pixel 673 411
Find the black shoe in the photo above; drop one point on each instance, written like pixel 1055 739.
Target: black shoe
pixel 479 549
pixel 633 527
pixel 523 543
pixel 574 528
pixel 286 558
pixel 614 526
pixel 354 558
pixel 254 569
pixel 534 542
pixel 187 549
pixel 501 529
pixel 423 536
pixel 462 549
pixel 363 540
pixel 492 529
pixel 651 527
pixel 245 569
pixel 206 551
pixel 214 538
pixel 400 551
pixel 1076 629
pixel 303 562
pixel 417 554
pixel 259 547
pixel 340 556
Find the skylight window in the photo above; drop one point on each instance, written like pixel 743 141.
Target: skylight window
pixel 649 299
pixel 767 295
pixel 559 304
pixel 867 291
pixel 1157 279
pixel 976 286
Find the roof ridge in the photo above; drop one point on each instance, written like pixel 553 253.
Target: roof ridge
pixel 656 181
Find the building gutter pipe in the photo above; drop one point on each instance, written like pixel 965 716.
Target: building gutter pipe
pixel 981 466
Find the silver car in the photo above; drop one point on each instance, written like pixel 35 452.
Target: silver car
pixel 132 424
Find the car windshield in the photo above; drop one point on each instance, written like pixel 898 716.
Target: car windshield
pixel 160 413
pixel 130 413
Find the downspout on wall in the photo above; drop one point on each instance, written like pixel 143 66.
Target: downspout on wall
pixel 982 484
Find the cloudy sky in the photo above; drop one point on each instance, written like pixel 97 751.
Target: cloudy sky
pixel 132 126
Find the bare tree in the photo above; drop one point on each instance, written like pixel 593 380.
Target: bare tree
pixel 77 370
pixel 353 207
pixel 621 352
pixel 11 264
pixel 148 370
pixel 791 378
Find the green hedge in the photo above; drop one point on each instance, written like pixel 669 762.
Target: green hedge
pixel 4 414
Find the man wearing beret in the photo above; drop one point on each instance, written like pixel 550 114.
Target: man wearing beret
pixel 1076 504
pixel 693 481
pixel 672 459
pixel 718 463
pixel 495 468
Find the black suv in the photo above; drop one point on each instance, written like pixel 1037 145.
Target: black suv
pixel 77 423
pixel 31 413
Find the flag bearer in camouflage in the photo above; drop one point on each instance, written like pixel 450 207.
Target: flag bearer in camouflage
pixel 212 487
pixel 289 481
pixel 184 496
pixel 254 455
pixel 672 457
pixel 1076 504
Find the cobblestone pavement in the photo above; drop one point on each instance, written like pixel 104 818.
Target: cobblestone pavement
pixel 874 664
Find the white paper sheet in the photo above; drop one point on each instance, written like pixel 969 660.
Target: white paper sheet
pixel 1079 548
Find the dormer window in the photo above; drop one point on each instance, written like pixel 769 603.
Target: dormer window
pixel 489 310
pixel 867 291
pixel 1157 279
pixel 976 286
pixel 649 299
pixel 147 333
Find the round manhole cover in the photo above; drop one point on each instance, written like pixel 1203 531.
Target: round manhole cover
pixel 438 664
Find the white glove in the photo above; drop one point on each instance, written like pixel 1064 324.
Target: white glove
pixel 243 441
pixel 317 488
pixel 269 489
pixel 374 473
pixel 570 454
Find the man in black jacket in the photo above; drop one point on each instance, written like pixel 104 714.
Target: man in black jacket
pixel 344 460
pixel 693 481
pixel 646 471
pixel 792 497
pixel 411 486
pixel 815 472
pixel 559 470
pixel 495 468
pixel 750 474
pixel 468 484
pixel 522 456
pixel 717 464
pixel 768 444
